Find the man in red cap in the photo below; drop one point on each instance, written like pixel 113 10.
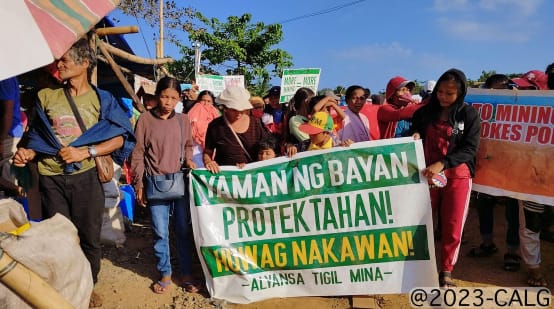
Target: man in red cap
pixel 532 80
pixel 399 108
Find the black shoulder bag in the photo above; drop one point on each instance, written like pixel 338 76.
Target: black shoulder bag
pixel 167 186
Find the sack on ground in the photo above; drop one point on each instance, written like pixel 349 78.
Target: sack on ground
pixel 165 187
pixel 49 248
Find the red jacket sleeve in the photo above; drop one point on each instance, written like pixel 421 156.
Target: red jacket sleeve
pixel 388 112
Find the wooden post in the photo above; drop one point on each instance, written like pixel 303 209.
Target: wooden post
pixel 116 30
pixel 133 58
pixel 136 101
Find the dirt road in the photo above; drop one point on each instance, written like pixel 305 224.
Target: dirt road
pixel 128 272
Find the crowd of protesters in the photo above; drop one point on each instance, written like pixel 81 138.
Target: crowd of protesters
pixel 234 129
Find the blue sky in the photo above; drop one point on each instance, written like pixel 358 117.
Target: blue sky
pixel 371 41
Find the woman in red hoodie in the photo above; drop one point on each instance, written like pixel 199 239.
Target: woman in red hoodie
pixel 395 114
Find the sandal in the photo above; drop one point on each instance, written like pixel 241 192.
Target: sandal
pixel 95 300
pixel 445 280
pixel 511 262
pixel 483 250
pixel 190 287
pixel 536 279
pixel 161 287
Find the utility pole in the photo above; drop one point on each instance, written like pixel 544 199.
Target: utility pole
pixel 160 42
pixel 161 29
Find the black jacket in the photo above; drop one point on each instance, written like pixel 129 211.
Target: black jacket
pixel 465 138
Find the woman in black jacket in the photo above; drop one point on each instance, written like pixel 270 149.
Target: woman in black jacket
pixel 449 129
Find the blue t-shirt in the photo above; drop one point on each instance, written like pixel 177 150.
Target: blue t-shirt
pixel 9 90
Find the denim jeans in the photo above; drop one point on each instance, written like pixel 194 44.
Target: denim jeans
pixel 161 212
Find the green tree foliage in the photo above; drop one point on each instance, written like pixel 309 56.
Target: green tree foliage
pixel 485 75
pixel 237 46
pixel 176 18
pixel 340 90
pixel 240 47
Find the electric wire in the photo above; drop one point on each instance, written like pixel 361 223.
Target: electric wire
pixel 321 12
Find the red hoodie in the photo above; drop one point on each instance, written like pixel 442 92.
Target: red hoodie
pixel 389 115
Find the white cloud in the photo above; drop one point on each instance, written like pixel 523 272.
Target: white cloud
pixel 488 32
pixel 513 21
pixel 449 5
pixel 517 7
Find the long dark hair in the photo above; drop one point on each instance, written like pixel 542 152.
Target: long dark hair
pixel 454 75
pixel 167 83
pixel 203 93
pixel 300 97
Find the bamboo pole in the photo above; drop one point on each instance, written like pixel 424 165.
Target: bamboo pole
pixel 117 30
pixel 122 68
pixel 28 285
pixel 136 101
pixel 136 59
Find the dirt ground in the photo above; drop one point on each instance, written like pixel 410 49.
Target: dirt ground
pixel 128 272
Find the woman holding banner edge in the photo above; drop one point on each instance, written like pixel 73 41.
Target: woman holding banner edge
pixel 450 130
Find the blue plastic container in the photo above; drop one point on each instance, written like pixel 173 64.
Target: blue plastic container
pixel 128 201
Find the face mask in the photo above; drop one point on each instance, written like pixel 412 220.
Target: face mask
pixel 402 100
pixel 257 113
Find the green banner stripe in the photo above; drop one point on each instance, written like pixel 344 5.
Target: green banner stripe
pixel 301 71
pixel 327 173
pixel 407 243
pixel 216 77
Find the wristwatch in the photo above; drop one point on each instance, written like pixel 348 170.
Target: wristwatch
pixel 92 151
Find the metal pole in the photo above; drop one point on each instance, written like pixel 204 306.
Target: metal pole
pixel 197 52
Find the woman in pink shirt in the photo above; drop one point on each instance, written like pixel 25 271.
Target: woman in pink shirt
pixel 200 115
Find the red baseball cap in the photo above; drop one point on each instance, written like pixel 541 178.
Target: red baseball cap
pixel 534 79
pixel 397 82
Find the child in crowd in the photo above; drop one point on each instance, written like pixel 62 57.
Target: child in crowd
pixel 329 104
pixel 319 128
pixel 267 148
pixel 449 129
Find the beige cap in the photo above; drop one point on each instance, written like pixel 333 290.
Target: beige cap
pixel 236 98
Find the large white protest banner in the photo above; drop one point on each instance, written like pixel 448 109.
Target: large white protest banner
pixel 343 221
pixel 516 151
pixel 293 79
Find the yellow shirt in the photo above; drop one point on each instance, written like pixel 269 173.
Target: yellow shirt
pixel 328 144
